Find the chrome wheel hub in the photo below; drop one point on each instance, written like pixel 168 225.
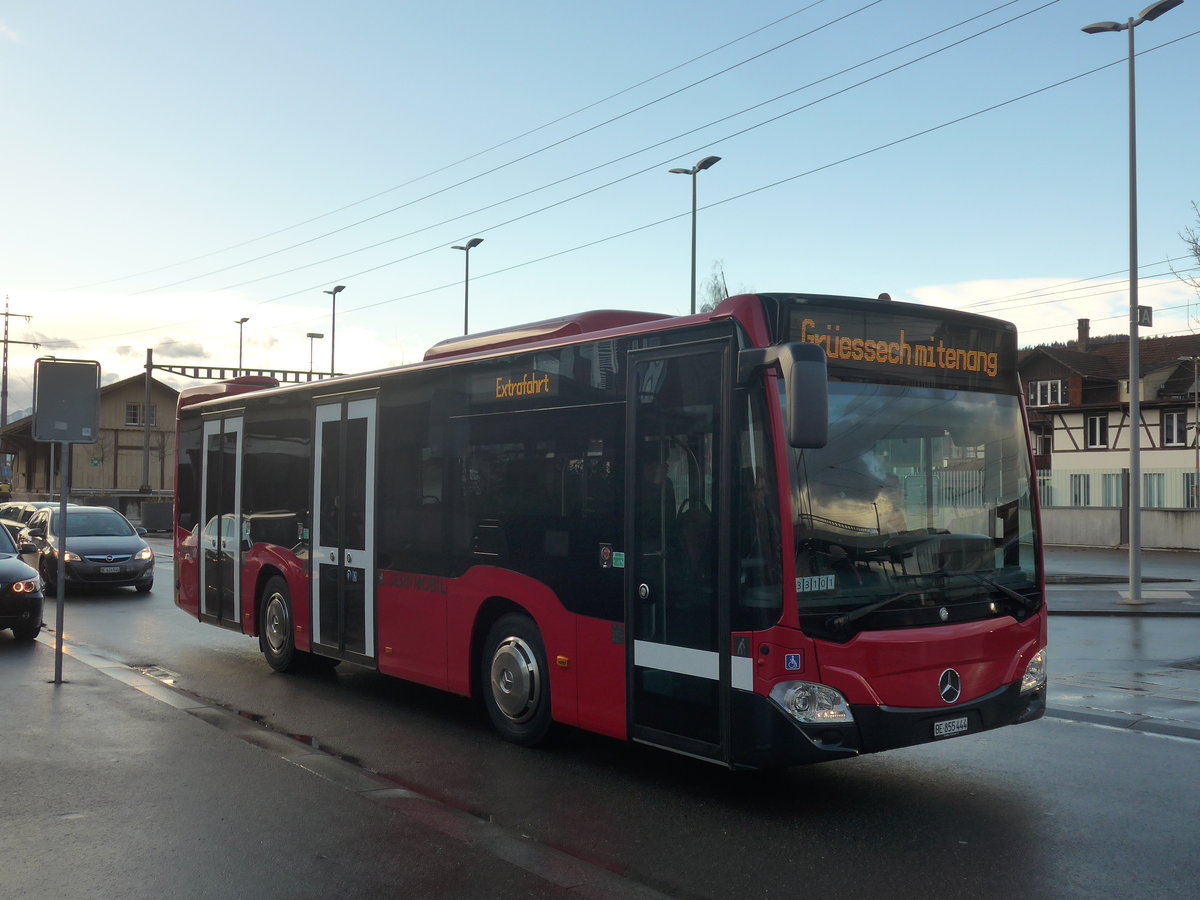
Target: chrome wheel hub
pixel 515 679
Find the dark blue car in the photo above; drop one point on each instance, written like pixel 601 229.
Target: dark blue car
pixel 20 592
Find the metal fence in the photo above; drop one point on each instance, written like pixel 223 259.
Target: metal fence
pixel 1106 488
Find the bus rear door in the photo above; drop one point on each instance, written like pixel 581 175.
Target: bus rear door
pixel 220 544
pixel 678 647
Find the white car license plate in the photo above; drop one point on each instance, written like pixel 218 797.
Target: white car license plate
pixel 947 727
pixel 109 570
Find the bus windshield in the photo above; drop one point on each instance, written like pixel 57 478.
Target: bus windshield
pixel 920 497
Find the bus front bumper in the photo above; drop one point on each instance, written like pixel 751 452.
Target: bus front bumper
pixel 764 736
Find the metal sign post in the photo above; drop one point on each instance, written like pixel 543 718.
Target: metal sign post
pixel 66 411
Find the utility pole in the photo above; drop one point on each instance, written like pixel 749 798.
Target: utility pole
pixel 4 369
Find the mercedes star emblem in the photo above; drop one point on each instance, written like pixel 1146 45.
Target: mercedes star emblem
pixel 950 686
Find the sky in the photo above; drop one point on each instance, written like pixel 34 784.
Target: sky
pixel 167 169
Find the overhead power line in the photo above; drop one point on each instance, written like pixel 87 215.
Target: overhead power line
pixel 649 168
pixel 496 146
pixel 739 196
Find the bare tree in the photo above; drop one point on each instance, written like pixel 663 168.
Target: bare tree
pixel 715 289
pixel 1191 237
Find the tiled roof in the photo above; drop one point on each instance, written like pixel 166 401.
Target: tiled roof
pixel 1111 360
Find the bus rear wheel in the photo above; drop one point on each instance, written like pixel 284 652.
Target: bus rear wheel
pixel 276 635
pixel 514 680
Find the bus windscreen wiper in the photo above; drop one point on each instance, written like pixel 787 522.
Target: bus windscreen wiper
pixel 839 622
pixel 1025 603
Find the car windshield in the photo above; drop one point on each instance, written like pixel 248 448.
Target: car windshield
pixel 6 542
pixel 96 524
pixel 918 493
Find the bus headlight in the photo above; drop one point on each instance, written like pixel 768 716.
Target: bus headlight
pixel 814 704
pixel 1035 673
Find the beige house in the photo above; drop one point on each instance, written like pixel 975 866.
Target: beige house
pixel 116 463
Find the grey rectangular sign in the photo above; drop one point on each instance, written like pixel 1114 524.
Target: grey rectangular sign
pixel 66 401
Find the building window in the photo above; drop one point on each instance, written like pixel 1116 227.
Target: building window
pixel 1081 490
pixel 1174 428
pixel 1112 486
pixel 1191 490
pixel 1097 431
pixel 1042 441
pixel 133 414
pixel 1153 488
pixel 1047 393
pixel 1045 487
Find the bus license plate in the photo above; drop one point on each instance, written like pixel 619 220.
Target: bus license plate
pixel 110 570
pixel 947 727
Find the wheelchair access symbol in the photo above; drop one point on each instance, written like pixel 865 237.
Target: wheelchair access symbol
pixel 791 662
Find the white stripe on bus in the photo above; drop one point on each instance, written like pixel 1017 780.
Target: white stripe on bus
pixel 696 663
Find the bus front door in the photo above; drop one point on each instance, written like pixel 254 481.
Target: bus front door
pixel 677 617
pixel 221 530
pixel 343 576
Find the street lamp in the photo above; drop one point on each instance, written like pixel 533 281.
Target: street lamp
pixel 240 323
pixel 1149 14
pixel 466 248
pixel 333 326
pixel 707 163
pixel 312 336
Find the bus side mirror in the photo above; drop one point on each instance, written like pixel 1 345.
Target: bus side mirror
pixel 805 388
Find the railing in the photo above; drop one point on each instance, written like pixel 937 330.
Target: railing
pixel 1176 488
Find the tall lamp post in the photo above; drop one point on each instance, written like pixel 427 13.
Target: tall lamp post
pixel 312 336
pixel 1149 14
pixel 333 327
pixel 707 163
pixel 467 248
pixel 240 323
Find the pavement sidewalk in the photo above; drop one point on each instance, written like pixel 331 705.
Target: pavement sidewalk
pixel 1090 581
pixel 151 792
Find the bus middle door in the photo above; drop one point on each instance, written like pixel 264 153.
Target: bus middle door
pixel 678 653
pixel 343 521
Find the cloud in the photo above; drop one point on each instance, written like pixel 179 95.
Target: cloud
pixel 1047 310
pixel 189 350
pixel 8 33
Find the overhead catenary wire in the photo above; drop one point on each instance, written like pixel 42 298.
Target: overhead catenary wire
pixel 649 168
pixel 497 146
pixel 739 196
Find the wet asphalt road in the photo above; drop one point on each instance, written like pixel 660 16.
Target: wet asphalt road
pixel 1044 808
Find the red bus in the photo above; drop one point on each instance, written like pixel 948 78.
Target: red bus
pixel 795 529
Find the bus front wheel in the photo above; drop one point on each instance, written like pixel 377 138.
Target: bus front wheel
pixel 277 639
pixel 515 683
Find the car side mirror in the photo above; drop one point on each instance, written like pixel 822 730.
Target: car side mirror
pixel 27 547
pixel 38 532
pixel 142 532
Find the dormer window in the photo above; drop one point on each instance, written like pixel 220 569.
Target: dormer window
pixel 1047 393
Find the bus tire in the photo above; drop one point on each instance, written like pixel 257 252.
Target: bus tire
pixel 277 637
pixel 515 680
